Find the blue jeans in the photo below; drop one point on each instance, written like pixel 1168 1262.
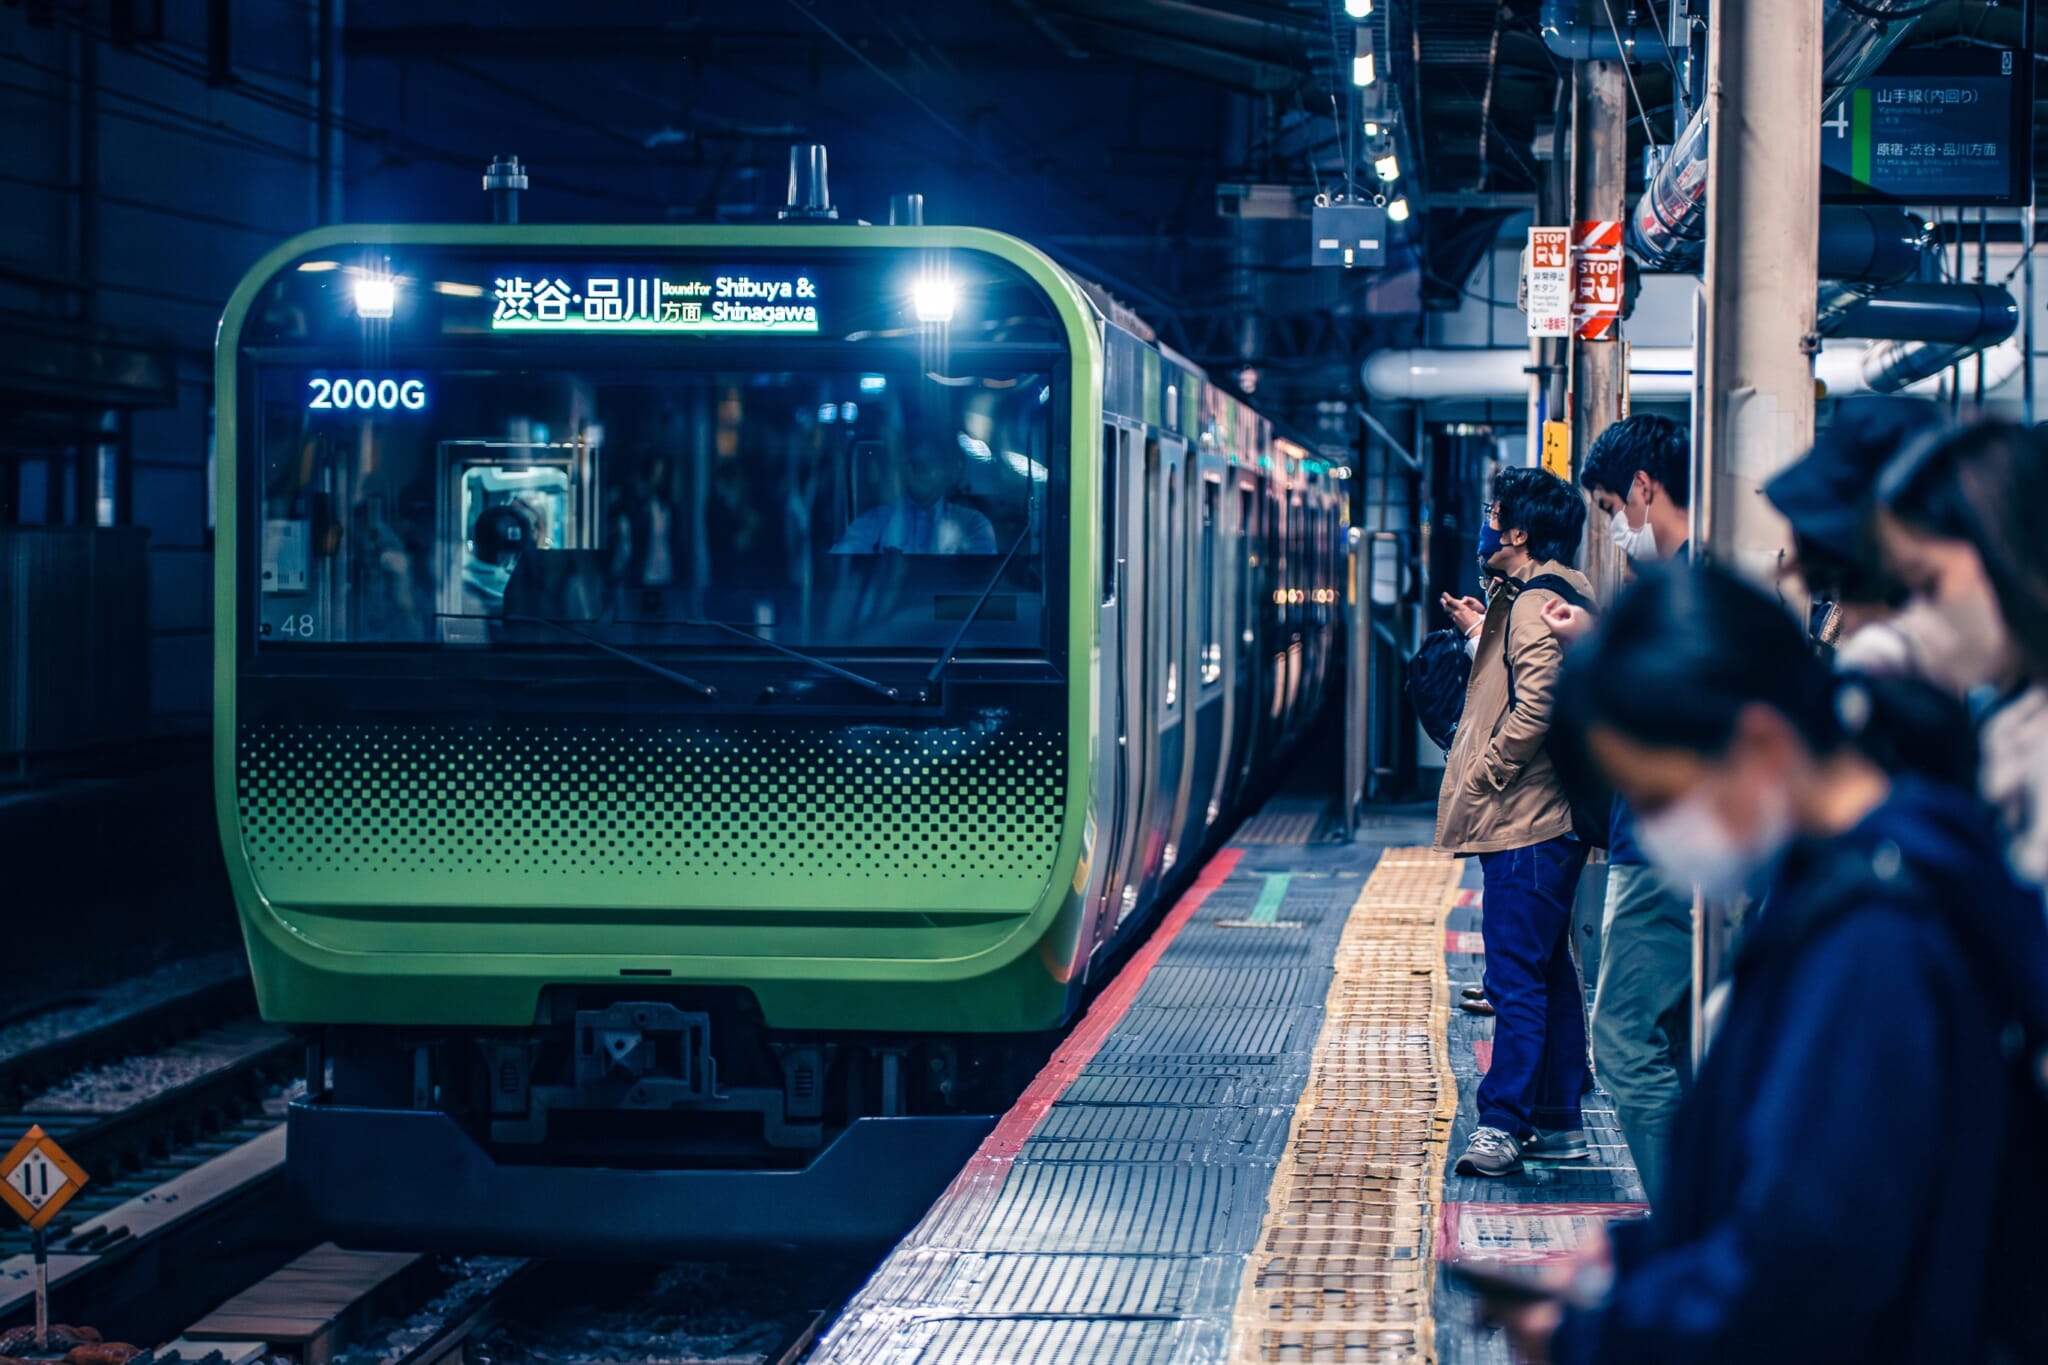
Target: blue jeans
pixel 1538 1070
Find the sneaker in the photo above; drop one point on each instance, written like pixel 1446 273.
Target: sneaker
pixel 1474 992
pixel 1557 1144
pixel 1480 1006
pixel 1492 1152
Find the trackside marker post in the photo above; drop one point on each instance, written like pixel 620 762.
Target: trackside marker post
pixel 36 1180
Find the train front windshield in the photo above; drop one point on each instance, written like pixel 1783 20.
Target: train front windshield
pixel 489 456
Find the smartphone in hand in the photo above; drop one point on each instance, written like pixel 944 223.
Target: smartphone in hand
pixel 1505 1283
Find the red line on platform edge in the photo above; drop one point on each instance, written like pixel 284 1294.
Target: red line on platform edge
pixel 1006 1140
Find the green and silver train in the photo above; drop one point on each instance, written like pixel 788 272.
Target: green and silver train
pixel 696 707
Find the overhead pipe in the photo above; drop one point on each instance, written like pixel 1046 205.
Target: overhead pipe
pixel 1500 374
pixel 1905 361
pixel 1973 315
pixel 1668 228
pixel 1576 41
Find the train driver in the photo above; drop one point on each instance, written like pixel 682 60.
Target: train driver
pixel 923 519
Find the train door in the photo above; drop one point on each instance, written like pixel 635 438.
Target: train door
pixel 1293 633
pixel 1125 738
pixel 1159 706
pixel 1209 722
pixel 1184 510
pixel 1243 645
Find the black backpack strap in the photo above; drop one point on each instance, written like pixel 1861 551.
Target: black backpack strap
pixel 1563 587
pixel 1552 582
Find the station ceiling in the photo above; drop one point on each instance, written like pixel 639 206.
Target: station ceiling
pixel 1099 129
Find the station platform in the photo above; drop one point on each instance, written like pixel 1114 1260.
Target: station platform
pixel 1241 1152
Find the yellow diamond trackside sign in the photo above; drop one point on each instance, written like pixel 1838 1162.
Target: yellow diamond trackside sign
pixel 37 1179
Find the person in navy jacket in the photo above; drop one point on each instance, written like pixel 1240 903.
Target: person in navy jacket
pixel 1852 1165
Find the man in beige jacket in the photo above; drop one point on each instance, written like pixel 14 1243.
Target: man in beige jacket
pixel 1502 800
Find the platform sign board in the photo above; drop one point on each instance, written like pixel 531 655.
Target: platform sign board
pixel 37 1179
pixel 636 299
pixel 1934 126
pixel 1596 278
pixel 1547 282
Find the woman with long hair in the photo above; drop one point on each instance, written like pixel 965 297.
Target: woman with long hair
pixel 1961 527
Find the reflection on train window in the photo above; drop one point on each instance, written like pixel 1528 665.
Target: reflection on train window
pixel 1111 465
pixel 813 507
pixel 1207 582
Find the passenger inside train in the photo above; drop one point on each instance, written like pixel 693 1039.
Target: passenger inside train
pixel 753 498
pixel 925 518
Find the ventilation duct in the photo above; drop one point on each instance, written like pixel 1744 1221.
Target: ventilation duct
pixel 1595 41
pixel 1667 229
pixel 1501 374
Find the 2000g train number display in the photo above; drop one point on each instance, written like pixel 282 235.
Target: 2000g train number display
pixel 388 395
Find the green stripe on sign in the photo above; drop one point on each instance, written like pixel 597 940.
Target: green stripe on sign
pixel 1267 909
pixel 1859 135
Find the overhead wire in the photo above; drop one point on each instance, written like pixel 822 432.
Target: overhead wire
pixel 1628 70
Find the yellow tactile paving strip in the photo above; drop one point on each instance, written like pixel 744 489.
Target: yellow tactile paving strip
pixel 1345 1269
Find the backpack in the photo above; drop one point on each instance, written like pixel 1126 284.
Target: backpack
pixel 1440 671
pixel 1438 674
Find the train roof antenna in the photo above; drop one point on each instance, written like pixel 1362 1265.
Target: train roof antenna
pixel 503 182
pixel 808 195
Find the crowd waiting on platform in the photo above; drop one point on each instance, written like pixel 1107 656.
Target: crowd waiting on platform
pixel 1853 1170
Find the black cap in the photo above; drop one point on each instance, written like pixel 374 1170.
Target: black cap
pixel 1826 493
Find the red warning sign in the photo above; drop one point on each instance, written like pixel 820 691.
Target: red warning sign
pixel 1596 278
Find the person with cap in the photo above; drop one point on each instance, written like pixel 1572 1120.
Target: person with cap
pixel 1826 497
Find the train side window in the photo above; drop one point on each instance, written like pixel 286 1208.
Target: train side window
pixel 1297 559
pixel 1212 647
pixel 1110 466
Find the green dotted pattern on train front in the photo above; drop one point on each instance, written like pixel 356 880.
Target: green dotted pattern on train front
pixel 369 813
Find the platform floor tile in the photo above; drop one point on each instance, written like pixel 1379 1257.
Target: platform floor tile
pixel 1534 1216
pixel 1119 1228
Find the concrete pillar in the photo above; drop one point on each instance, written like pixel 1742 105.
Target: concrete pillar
pixel 1763 101
pixel 1757 338
pixel 1599 371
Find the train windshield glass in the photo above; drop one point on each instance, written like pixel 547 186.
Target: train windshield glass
pixel 653 458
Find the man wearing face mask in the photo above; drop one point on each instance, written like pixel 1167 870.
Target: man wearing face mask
pixel 1502 800
pixel 1638 472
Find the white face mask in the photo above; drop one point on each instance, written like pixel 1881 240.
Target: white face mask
pixel 1979 650
pixel 1637 542
pixel 1688 841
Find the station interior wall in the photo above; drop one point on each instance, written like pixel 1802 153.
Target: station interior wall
pixel 195 183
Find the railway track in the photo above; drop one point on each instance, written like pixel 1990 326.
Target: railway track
pixel 336 1307
pixel 44 1042
pixel 171 1094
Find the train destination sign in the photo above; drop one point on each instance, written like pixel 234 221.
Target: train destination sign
pixel 539 299
pixel 1936 127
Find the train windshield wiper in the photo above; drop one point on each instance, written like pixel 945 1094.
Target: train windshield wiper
pixel 953 646
pixel 641 661
pixel 880 689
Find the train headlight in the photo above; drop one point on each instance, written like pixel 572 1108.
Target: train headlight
pixel 934 297
pixel 376 296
